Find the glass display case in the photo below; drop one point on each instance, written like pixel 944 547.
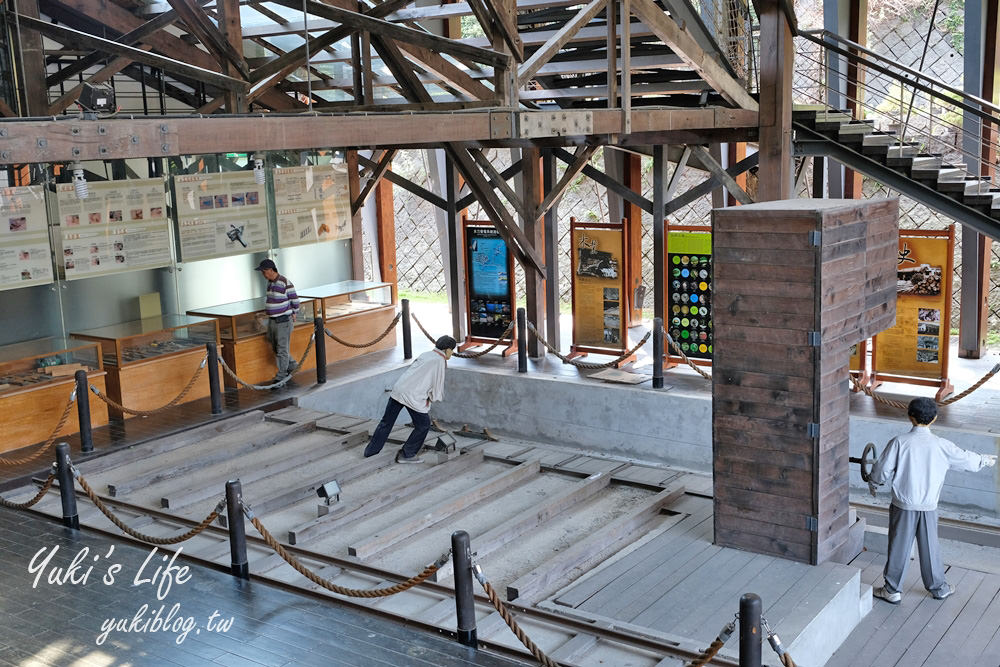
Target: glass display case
pixel 37 362
pixel 151 338
pixel 245 319
pixel 349 297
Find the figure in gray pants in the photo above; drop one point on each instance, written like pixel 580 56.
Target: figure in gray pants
pixel 916 463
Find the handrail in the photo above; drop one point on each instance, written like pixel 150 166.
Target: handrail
pixel 811 36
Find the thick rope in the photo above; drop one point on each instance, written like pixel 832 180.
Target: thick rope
pixel 948 401
pixel 44 447
pixel 265 387
pixel 206 522
pixel 505 338
pixel 330 586
pixel 146 413
pixel 716 646
pixel 677 348
pixel 511 623
pixel 868 390
pixel 38 496
pixel 388 330
pixel 983 380
pixel 585 364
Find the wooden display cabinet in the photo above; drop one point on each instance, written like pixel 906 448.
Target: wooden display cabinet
pixel 242 329
pixel 356 311
pixel 36 381
pixel 150 361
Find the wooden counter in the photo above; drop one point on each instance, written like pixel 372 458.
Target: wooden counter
pixel 30 413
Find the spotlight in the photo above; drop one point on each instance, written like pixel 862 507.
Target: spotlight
pixel 258 169
pixel 96 99
pixel 329 491
pixel 79 182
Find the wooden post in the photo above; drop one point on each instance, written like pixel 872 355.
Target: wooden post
pixel 534 228
pixel 385 223
pixel 551 233
pixel 456 249
pixel 659 188
pixel 30 57
pixel 776 67
pixel 857 31
pixel 632 179
pixel 736 151
pixel 354 188
pixel 232 29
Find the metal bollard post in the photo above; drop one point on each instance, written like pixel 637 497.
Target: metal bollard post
pixel 320 350
pixel 237 530
pixel 83 411
pixel 407 341
pixel 465 603
pixel 67 487
pixel 215 394
pixel 750 633
pixel 522 341
pixel 657 353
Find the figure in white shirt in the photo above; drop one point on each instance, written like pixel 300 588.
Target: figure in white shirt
pixel 915 463
pixel 421 385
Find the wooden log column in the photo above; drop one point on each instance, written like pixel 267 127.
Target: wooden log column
pixel 797 283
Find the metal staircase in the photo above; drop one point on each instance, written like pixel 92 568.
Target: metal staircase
pixel 902 150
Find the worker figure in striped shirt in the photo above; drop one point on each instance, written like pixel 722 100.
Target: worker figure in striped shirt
pixel 282 304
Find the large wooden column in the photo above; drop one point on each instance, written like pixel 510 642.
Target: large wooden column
pixel 30 59
pixel 534 229
pixel 797 283
pixel 232 29
pixel 354 188
pixel 632 179
pixel 857 31
pixel 551 233
pixel 385 224
pixel 776 173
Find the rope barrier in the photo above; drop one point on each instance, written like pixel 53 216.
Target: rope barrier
pixel 330 586
pixel 177 539
pixel 868 391
pixel 505 337
pixel 38 496
pixel 509 620
pixel 146 413
pixel 584 364
pixel 677 348
pixel 44 447
pixel 727 631
pixel 983 380
pixel 388 330
pixel 775 642
pixel 265 387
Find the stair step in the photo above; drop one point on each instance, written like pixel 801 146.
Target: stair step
pixel 838 117
pixel 979 187
pixel 904 152
pixel 881 140
pixel 953 174
pixel 796 108
pixel 857 127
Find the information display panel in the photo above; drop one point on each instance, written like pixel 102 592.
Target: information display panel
pixel 25 252
pixel 120 226
pixel 489 270
pixel 219 215
pixel 689 291
pixel 312 204
pixel 916 348
pixel 600 308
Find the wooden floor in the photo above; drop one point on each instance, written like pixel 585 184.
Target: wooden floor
pixel 963 629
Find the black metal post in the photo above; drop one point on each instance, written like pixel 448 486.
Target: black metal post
pixel 750 632
pixel 83 411
pixel 407 341
pixel 320 350
pixel 237 530
pixel 67 487
pixel 657 353
pixel 213 378
pixel 465 604
pixel 522 341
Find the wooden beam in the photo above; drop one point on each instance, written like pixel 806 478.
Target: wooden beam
pixel 75 37
pixel 702 189
pixel 573 169
pixel 209 35
pixel 354 190
pixel 231 30
pixel 413 525
pixel 485 19
pixel 387 30
pixel 552 46
pixel 468 199
pixel 717 170
pixel 687 48
pixel 29 61
pixel 102 75
pixel 775 136
pixel 504 14
pixel 501 184
pixel 675 178
pixel 385 232
pixel 406 184
pixel 384 162
pixel 608 182
pixel 534 229
pixel 448 72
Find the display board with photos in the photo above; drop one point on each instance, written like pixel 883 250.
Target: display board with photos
pixel 688 312
pixel 915 350
pixel 219 215
pixel 120 226
pixel 489 271
pixel 25 252
pixel 312 204
pixel 600 305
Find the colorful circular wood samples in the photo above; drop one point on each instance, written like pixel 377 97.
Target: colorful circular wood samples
pixel 689 298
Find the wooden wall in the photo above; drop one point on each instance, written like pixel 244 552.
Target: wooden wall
pixel 797 283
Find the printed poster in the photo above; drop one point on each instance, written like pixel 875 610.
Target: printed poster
pixel 488 268
pixel 689 292
pixel 598 287
pixel 312 203
pixel 120 226
pixel 918 345
pixel 220 215
pixel 25 252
